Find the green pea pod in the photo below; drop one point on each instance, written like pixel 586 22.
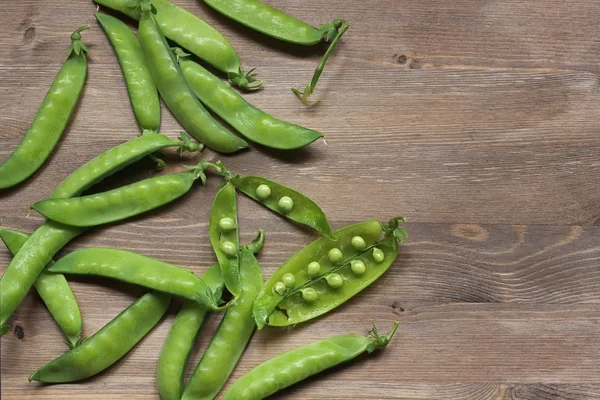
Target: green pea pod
pixel 302 362
pixel 263 18
pixel 109 344
pixel 270 194
pixel 251 122
pixel 139 270
pixel 49 238
pixel 224 237
pixel 193 34
pixel 182 336
pixel 232 337
pixel 176 93
pixel 328 272
pixel 54 290
pixel 118 204
pixel 51 119
pixel 140 85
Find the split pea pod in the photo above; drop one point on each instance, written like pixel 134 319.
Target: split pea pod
pixel 142 91
pixel 328 272
pixel 120 203
pixel 284 201
pixel 109 344
pixel 193 34
pixel 248 120
pixel 54 290
pixel 51 119
pixel 176 93
pixel 49 238
pixel 224 237
pixel 232 337
pixel 300 363
pixel 274 23
pixel 182 336
pixel 184 331
pixel 130 267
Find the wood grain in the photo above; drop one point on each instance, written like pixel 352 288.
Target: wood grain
pixel 477 119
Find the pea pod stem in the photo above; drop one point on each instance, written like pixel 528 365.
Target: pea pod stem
pixel 310 88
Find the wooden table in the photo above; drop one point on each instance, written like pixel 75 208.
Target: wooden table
pixel 479 120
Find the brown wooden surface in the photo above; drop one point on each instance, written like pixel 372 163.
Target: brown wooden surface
pixel 477 119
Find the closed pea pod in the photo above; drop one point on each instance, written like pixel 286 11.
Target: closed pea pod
pixel 109 344
pixel 139 270
pixel 297 207
pixel 300 363
pixel 320 290
pixel 182 336
pixel 143 94
pixel 193 34
pixel 54 290
pixel 226 243
pixel 49 238
pixel 251 122
pixel 51 119
pixel 272 22
pixel 232 337
pixel 121 203
pixel 176 93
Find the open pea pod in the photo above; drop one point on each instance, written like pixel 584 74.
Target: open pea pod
pixel 328 272
pixel 285 201
pixel 224 237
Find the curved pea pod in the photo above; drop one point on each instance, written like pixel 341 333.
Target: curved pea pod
pixel 224 237
pixel 139 270
pixel 303 210
pixel 49 238
pixel 323 275
pixel 248 120
pixel 176 93
pixel 51 119
pixel 109 344
pixel 180 341
pixel 193 34
pixel 300 363
pixel 142 91
pixel 232 337
pixel 270 21
pixel 117 204
pixel 54 290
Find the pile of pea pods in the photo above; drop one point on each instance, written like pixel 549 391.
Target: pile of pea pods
pixel 312 282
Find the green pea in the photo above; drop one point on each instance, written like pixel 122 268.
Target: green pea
pixel 227 224
pixel 229 249
pixel 314 269
pixel 309 295
pixel 335 255
pixel 263 192
pixel 358 243
pixel 334 280
pixel 358 267
pixel 279 288
pixel 289 280
pixel 378 255
pixel 286 204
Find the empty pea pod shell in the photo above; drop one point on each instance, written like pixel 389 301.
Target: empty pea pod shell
pixel 291 306
pixel 181 339
pixel 304 210
pixel 117 204
pixel 248 120
pixel 139 270
pixel 302 362
pixel 109 344
pixel 54 290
